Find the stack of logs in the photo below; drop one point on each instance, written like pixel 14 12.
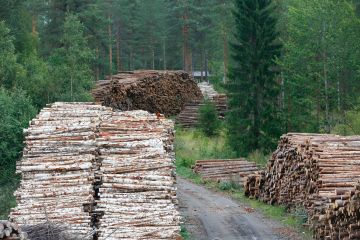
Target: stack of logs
pixel 10 231
pixel 136 177
pixel 86 166
pixel 189 117
pixel 320 173
pixel 164 92
pixel 58 167
pixel 225 170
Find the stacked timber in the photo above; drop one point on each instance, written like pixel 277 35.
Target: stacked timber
pixel 164 92
pixel 312 170
pixel 225 170
pixel 189 117
pixel 92 170
pixel 10 231
pixel 58 167
pixel 137 195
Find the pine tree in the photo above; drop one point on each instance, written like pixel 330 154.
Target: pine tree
pixel 70 65
pixel 253 119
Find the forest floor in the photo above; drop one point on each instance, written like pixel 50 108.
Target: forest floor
pixel 210 215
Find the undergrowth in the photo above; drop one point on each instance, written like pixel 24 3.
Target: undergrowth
pixel 7 199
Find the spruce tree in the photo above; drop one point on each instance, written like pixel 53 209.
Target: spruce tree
pixel 253 121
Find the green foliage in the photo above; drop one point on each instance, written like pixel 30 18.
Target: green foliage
pixel 350 125
pixel 16 110
pixel 259 157
pixel 192 145
pixel 253 120
pixel 320 63
pixel 7 198
pixel 70 65
pixel 209 122
pixel 7 57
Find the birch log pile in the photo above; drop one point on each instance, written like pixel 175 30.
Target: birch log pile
pixel 137 195
pixel 164 92
pixel 189 117
pixel 225 170
pixel 315 171
pixel 58 167
pixel 86 166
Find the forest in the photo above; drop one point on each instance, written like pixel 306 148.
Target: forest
pixel 304 56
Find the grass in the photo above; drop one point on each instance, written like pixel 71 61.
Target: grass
pixel 7 199
pixel 192 145
pixel 184 233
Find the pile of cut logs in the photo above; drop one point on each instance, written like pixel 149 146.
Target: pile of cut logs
pixel 10 231
pixel 164 92
pixel 234 170
pixel 137 196
pixel 86 166
pixel 58 167
pixel 319 172
pixel 189 117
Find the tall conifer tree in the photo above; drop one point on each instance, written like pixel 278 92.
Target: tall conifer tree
pixel 253 119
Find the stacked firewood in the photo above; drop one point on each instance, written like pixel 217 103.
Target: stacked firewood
pixel 10 231
pixel 225 170
pixel 164 92
pixel 136 178
pixel 189 117
pixel 87 167
pixel 315 171
pixel 58 167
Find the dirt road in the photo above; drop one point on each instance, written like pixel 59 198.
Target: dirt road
pixel 213 216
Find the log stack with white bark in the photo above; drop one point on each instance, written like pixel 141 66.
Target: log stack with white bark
pixel 137 196
pixel 225 170
pixel 164 92
pixel 86 166
pixel 189 117
pixel 318 172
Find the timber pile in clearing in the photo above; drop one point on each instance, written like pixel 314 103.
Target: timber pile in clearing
pixel 189 117
pixel 225 170
pixel 318 172
pixel 164 92
pixel 136 178
pixel 86 166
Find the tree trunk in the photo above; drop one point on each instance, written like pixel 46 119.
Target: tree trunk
pixel 97 69
pixel 186 48
pixel 153 59
pixel 118 50
pixel 164 54
pixel 325 75
pixel 33 25
pixel 206 68
pixel 110 46
pixel 225 42
pixel 202 65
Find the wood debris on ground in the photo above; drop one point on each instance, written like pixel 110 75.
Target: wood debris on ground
pixel 10 231
pixel 225 170
pixel 320 173
pixel 164 92
pixel 87 166
pixel 190 116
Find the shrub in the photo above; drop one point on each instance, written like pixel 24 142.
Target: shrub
pixel 16 110
pixel 209 122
